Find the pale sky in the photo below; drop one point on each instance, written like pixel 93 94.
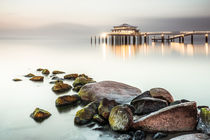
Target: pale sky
pixel 32 13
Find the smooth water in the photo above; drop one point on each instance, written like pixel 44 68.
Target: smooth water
pixel 182 69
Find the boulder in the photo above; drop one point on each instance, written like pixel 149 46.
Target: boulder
pixel 105 107
pixel 71 76
pixel 67 100
pixel 80 81
pixel 204 121
pixel 145 94
pixel 86 114
pixel 61 87
pixel 195 136
pixel 45 71
pixel 16 79
pixel 181 117
pixel 40 114
pixel 120 118
pixel 147 105
pixel 30 75
pixel 57 72
pixel 37 78
pixel 111 90
pixel 161 94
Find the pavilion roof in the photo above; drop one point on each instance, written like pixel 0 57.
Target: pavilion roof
pixel 125 25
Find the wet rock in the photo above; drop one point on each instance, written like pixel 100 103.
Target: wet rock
pixel 124 137
pixel 56 81
pixel 86 114
pixel 147 105
pixel 99 119
pixel 161 94
pixel 45 71
pixel 145 94
pixel 67 100
pixel 57 72
pixel 181 117
pixel 179 102
pixel 139 135
pixel 80 81
pixel 120 118
pixel 111 90
pixel 61 87
pixel 17 79
pixel 30 75
pixel 39 115
pixel 37 78
pixel 105 107
pixel 204 121
pixel 159 135
pixel 39 69
pixel 71 76
pixel 195 136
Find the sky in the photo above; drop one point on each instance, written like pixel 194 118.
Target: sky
pixel 33 14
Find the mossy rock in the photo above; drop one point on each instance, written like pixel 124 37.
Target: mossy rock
pixel 57 72
pixel 61 87
pixel 45 71
pixel 40 114
pixel 80 81
pixel 37 78
pixel 67 100
pixel 30 75
pixel 16 79
pixel 71 76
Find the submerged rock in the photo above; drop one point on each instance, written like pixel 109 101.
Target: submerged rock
pixel 30 75
pixel 61 87
pixel 57 72
pixel 67 100
pixel 204 121
pixel 195 136
pixel 139 135
pixel 45 71
pixel 111 90
pixel 181 117
pixel 161 94
pixel 105 107
pixel 40 114
pixel 17 79
pixel 71 76
pixel 86 114
pixel 159 135
pixel 120 118
pixel 99 119
pixel 147 105
pixel 80 81
pixel 37 78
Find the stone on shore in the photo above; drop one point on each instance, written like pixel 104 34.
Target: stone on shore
pixel 40 114
pixel 71 76
pixel 204 121
pixel 61 87
pixel 67 100
pixel 86 114
pixel 81 81
pixel 105 107
pixel 17 79
pixel 45 71
pixel 111 90
pixel 195 136
pixel 37 78
pixel 161 94
pixel 121 118
pixel 181 117
pixel 57 72
pixel 147 105
pixel 30 75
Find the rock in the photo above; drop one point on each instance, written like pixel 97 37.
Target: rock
pixel 16 79
pixel 124 137
pixel 159 135
pixel 77 88
pixel 71 76
pixel 161 94
pixel 99 119
pixel 57 72
pixel 145 94
pixel 39 69
pixel 37 78
pixel 120 118
pixel 195 136
pixel 80 81
pixel 40 114
pixel 57 78
pixel 147 105
pixel 181 117
pixel 105 107
pixel 179 102
pixel 45 71
pixel 131 107
pixel 111 90
pixel 83 75
pixel 56 81
pixel 204 121
pixel 86 114
pixel 61 87
pixel 139 135
pixel 30 75
pixel 67 100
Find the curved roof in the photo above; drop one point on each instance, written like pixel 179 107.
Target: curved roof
pixel 126 25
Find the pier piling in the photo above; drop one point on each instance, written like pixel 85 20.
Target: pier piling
pixel 206 38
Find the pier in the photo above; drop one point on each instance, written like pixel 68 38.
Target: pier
pixel 128 34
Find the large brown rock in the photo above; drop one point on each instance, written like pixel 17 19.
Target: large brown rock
pixel 67 100
pixel 181 117
pixel 111 90
pixel 61 87
pixel 40 114
pixel 161 94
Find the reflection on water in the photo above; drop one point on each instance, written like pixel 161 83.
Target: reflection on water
pixel 126 51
